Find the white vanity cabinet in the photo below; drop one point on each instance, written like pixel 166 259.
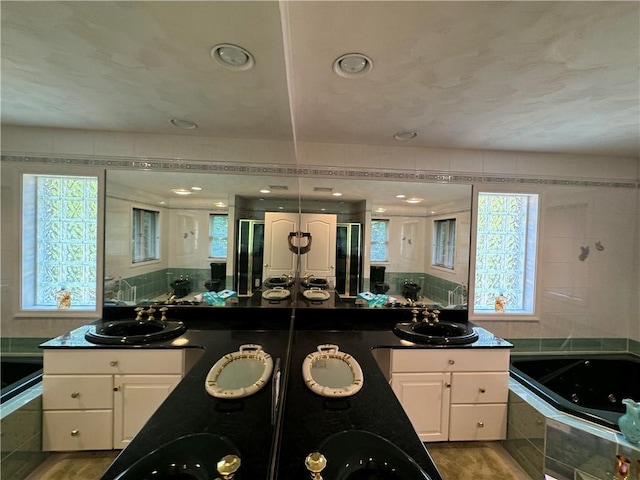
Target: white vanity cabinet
pixel 99 399
pixel 453 394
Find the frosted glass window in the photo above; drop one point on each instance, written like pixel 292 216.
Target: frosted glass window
pixel 218 235
pixel 146 237
pixel 444 245
pixel 380 240
pixel 506 238
pixel 59 240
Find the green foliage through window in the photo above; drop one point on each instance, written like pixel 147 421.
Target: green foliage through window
pixel 146 238
pixel 218 235
pixel 379 240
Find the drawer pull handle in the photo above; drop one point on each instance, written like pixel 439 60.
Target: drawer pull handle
pixel 451 362
pixel 75 433
pixel 480 424
pixel 113 363
pixel 481 390
pixel 75 394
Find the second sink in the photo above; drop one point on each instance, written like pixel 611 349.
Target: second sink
pixel 133 332
pixel 436 333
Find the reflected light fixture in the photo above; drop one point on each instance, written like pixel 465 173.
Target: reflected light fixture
pixel 402 136
pixel 232 57
pixel 401 196
pixel 265 190
pixel 183 123
pixel 196 189
pixel 414 200
pixel 352 65
pixel 181 191
pixel 336 194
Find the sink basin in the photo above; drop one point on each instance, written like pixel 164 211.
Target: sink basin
pixel 316 295
pixel 192 457
pixel 440 333
pixel 282 282
pixel 277 293
pixel 134 332
pixel 357 454
pixel 315 283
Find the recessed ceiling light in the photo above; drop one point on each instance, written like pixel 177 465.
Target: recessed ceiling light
pixel 336 194
pixel 408 135
pixel 352 65
pixel 181 191
pixel 401 196
pixel 414 200
pixel 196 189
pixel 220 204
pixel 381 210
pixel 183 123
pixel 232 57
pixel 265 190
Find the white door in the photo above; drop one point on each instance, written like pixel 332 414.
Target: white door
pixel 136 398
pixel 320 261
pixel 425 399
pixel 278 259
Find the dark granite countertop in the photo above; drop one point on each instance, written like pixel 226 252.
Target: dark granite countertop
pixel 308 418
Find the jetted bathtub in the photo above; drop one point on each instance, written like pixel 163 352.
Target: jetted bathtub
pixel 588 386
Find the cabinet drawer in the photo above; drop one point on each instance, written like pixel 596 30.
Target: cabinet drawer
pixel 113 361
pixel 77 430
pixel 67 392
pixel 478 422
pixel 480 387
pixel 449 360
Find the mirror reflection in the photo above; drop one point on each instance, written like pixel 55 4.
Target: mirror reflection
pixel 226 239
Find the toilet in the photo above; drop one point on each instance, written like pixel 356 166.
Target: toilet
pixel 376 277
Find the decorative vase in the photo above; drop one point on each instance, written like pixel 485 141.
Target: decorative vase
pixel 630 421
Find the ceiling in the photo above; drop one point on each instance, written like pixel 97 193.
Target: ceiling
pixel 525 76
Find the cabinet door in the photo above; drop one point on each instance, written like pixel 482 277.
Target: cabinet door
pixel 136 398
pixel 320 261
pixel 425 399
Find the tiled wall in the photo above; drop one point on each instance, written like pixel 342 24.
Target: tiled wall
pixel 588 200
pixel 431 287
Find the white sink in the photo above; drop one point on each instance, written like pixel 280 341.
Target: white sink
pixel 316 295
pixel 276 294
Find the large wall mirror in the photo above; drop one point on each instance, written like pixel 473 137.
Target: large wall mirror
pixel 173 237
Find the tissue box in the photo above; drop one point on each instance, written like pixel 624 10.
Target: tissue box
pixel 224 294
pixel 368 296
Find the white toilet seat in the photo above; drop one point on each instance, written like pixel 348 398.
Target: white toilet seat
pixel 331 352
pixel 251 370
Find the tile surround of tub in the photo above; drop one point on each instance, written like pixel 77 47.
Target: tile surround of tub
pixel 545 440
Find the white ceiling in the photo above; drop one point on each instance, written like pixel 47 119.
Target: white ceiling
pixel 528 76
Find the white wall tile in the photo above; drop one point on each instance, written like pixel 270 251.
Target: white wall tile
pixel 114 144
pixel 73 142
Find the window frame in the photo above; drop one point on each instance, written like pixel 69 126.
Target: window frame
pixel 434 242
pixel 387 222
pixel 212 238
pixel 158 233
pixel 53 312
pixel 533 284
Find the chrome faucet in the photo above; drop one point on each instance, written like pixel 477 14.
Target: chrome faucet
pixel 426 315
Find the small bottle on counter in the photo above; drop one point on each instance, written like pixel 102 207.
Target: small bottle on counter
pixel 63 297
pixel 500 303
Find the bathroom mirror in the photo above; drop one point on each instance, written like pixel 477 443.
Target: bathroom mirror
pixel 186 233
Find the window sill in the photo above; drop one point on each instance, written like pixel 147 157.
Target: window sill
pixel 42 314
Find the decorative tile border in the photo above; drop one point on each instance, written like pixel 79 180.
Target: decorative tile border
pixel 418 176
